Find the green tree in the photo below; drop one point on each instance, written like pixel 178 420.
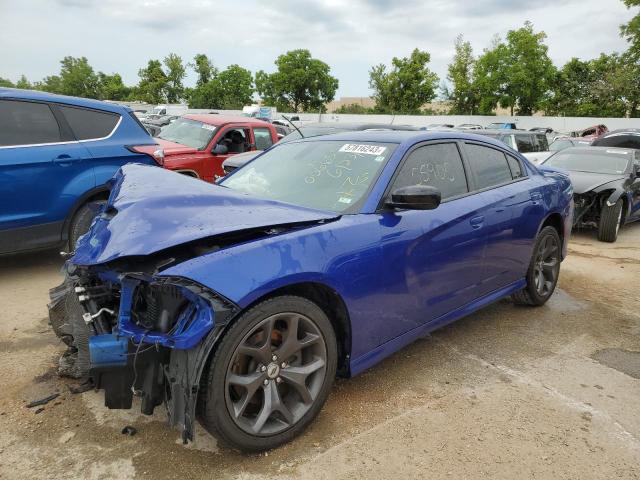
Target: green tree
pixel 153 83
pixel 516 74
pixel 111 87
pixel 23 83
pixel 406 87
pixel 52 84
pixel 204 69
pixel 230 89
pixel 353 108
pixel 464 96
pixel 301 82
pixel 77 78
pixel 5 82
pixel 631 31
pixel 175 74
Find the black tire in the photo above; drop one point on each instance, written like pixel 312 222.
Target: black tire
pixel 540 287
pixel 610 220
pixel 215 405
pixel 82 221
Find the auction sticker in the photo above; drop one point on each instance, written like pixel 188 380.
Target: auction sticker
pixel 208 127
pixel 366 149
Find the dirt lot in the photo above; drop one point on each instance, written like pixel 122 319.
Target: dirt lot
pixel 506 393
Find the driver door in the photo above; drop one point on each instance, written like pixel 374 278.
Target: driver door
pixel 432 258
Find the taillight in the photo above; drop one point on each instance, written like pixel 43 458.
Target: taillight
pixel 156 153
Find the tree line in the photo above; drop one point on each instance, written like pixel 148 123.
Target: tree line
pixel 515 73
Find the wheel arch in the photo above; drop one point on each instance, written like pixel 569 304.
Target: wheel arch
pixel 98 193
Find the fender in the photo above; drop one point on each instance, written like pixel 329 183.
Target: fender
pixel 615 196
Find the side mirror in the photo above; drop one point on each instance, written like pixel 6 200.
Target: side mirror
pixel 415 197
pixel 220 149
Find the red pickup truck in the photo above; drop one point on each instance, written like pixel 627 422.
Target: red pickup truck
pixel 197 145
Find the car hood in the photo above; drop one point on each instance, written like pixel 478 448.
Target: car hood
pixel 172 148
pixel 151 209
pixel 586 181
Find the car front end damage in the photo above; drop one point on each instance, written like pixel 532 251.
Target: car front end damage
pixel 135 334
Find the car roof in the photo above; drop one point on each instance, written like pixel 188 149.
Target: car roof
pixel 590 150
pixel 217 120
pixel 357 126
pixel 35 95
pixel 621 131
pixel 402 136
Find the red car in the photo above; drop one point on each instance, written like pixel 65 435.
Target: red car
pixel 197 145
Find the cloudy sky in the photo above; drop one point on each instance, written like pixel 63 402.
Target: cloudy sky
pixel 350 35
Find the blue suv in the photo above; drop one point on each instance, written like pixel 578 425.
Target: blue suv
pixel 56 155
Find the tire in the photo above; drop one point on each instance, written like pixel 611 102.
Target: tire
pixel 544 269
pixel 254 406
pixel 610 220
pixel 82 221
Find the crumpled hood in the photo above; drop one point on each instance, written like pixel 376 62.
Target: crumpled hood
pixel 586 181
pixel 151 209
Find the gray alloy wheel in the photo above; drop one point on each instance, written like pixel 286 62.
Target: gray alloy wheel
pixel 276 373
pixel 544 269
pixel 547 265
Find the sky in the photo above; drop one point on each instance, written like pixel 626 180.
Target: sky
pixel 351 36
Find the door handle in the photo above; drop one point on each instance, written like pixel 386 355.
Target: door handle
pixel 536 197
pixel 65 159
pixel 477 222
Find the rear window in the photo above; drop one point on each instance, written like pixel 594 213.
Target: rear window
pixel 525 143
pixel 27 123
pixel 89 124
pixel 489 166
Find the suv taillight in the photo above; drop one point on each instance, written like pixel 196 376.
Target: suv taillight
pixel 156 153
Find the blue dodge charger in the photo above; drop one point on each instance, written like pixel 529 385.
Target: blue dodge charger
pixel 239 303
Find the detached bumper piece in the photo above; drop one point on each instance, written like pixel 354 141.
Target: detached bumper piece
pixel 139 335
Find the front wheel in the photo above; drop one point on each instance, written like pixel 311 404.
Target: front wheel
pixel 82 221
pixel 270 375
pixel 544 269
pixel 610 220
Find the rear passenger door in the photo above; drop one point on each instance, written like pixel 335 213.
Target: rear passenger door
pixel 510 209
pixel 40 173
pixel 94 130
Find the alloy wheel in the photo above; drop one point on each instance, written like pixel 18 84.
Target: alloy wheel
pixel 275 374
pixel 547 265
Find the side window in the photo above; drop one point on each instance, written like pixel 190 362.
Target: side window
pixel 489 166
pixel 27 123
pixel 439 166
pixel 236 140
pixel 89 124
pixel 524 143
pixel 508 139
pixel 543 143
pixel 516 168
pixel 263 138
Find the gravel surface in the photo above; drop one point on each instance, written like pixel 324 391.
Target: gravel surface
pixel 509 392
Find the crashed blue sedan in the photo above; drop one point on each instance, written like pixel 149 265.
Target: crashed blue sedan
pixel 239 303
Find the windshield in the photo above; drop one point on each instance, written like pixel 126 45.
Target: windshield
pixel 326 175
pixel 188 132
pixel 613 162
pixel 558 145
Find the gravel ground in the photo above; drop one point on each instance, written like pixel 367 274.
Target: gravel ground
pixel 509 392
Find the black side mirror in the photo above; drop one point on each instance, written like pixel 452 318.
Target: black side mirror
pixel 220 149
pixel 415 197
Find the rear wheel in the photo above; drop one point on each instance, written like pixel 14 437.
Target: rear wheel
pixel 270 375
pixel 610 220
pixel 82 221
pixel 544 269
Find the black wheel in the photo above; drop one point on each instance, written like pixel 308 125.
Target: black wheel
pixel 544 269
pixel 82 221
pixel 610 220
pixel 270 375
